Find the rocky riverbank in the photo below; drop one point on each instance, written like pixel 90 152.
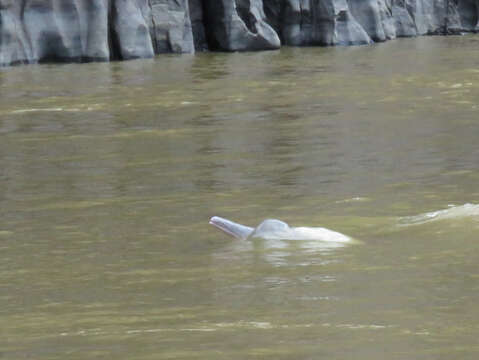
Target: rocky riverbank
pixel 33 31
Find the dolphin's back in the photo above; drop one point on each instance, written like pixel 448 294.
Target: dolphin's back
pixel 273 229
pixel 319 233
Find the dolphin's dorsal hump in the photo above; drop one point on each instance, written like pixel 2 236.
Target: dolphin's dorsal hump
pixel 270 227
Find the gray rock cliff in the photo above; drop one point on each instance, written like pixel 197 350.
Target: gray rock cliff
pixel 33 31
pixel 234 25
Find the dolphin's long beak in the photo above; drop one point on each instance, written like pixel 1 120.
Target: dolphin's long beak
pixel 231 228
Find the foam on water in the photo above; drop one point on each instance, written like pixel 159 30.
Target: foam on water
pixel 453 212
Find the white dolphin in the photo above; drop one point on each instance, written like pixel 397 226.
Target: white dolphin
pixel 272 229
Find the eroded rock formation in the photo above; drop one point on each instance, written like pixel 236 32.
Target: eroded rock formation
pixel 34 31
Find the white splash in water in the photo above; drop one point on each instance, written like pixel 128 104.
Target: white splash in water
pixel 453 212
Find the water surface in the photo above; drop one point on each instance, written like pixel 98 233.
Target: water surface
pixel 109 174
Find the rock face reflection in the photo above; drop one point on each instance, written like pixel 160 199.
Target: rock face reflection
pixel 34 31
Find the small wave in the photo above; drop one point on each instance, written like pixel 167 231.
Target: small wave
pixel 21 111
pixel 453 212
pixel 81 107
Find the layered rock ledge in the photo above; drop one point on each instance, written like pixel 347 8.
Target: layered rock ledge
pixel 33 31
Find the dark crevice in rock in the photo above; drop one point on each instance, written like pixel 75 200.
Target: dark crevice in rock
pixel 243 8
pixel 211 10
pixel 53 49
pixel 113 41
pixel 469 13
pixel 274 11
pixel 197 11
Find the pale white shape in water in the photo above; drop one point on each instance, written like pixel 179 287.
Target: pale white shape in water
pixel 454 212
pixel 354 199
pixel 272 229
pixel 20 111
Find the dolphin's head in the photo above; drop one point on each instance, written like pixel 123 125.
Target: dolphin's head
pixel 231 228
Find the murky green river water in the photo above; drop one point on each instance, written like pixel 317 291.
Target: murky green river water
pixel 109 174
